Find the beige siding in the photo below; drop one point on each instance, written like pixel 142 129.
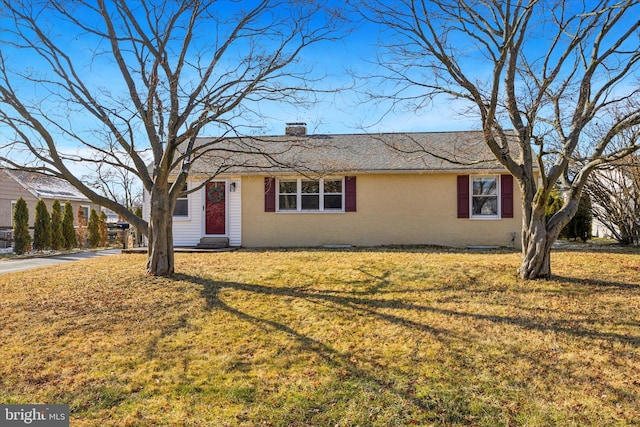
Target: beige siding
pixel 392 209
pixel 11 191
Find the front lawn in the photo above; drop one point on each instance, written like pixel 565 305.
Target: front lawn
pixel 384 337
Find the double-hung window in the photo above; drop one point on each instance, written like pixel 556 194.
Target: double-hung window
pixel 182 203
pixel 85 209
pixel 484 197
pixel 288 195
pixel 310 195
pixel 332 194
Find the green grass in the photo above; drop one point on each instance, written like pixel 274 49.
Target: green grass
pixel 386 337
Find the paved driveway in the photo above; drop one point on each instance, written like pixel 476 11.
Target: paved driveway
pixel 11 265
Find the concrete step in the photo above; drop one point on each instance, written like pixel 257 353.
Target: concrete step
pixel 213 243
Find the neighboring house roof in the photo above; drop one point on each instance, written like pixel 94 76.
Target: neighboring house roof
pixel 111 215
pixel 45 186
pixel 348 153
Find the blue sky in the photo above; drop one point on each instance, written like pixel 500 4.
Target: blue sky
pixel 336 112
pixel 344 112
pixel 339 112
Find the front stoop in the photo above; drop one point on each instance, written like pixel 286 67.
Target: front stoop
pixel 213 243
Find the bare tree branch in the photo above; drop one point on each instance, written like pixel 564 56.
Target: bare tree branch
pixel 122 85
pixel 554 73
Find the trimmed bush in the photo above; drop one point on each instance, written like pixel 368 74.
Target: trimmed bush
pixel 68 230
pixel 580 225
pixel 554 203
pixel 42 227
pixel 93 229
pixel 57 234
pixel 81 231
pixel 21 236
pixel 104 229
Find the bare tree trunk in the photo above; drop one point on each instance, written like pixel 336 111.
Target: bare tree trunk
pixel 547 118
pixel 536 250
pixel 539 235
pixel 161 260
pixel 169 85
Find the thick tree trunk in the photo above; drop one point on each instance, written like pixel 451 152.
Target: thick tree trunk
pixel 538 237
pixel 536 250
pixel 160 261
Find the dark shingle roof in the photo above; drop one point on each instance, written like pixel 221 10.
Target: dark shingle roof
pixel 348 153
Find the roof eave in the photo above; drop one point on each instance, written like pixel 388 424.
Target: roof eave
pixel 493 169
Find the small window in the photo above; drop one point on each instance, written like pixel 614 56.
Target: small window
pixel 310 195
pixel 333 194
pixel 182 203
pixel 484 197
pixel 287 198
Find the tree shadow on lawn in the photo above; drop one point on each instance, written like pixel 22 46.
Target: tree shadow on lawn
pixel 598 285
pixel 612 248
pixel 372 306
pixel 341 361
pixel 168 330
pixel 377 308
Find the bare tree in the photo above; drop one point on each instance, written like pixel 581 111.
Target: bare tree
pixel 117 184
pixel 130 85
pixel 615 193
pixel 541 76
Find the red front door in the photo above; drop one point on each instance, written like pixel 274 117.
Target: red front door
pixel 215 208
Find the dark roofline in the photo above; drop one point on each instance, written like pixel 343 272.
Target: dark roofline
pixel 384 152
pixel 326 135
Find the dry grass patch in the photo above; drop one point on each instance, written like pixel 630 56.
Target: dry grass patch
pixel 340 338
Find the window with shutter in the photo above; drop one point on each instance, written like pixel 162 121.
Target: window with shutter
pixel 485 197
pixel 309 195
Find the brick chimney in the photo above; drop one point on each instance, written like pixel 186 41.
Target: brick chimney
pixel 296 129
